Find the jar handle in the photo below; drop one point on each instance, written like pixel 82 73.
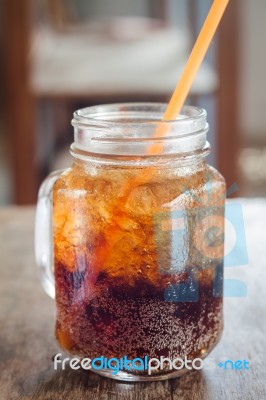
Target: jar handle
pixel 44 252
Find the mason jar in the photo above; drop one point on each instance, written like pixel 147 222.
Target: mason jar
pixel 129 241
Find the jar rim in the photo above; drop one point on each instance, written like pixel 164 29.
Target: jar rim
pixel 99 114
pixel 134 128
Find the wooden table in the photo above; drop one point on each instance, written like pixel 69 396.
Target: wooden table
pixel 27 343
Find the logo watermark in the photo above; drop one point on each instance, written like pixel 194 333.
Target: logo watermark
pixel 121 364
pixel 195 237
pixel 148 364
pixel 238 365
pixel 226 364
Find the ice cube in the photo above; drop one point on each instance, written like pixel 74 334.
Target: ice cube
pixel 141 201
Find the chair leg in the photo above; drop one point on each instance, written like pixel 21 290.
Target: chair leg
pixel 228 119
pixel 20 100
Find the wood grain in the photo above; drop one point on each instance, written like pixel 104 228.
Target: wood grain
pixel 27 343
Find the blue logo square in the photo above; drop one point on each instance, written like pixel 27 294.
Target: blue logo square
pixel 234 221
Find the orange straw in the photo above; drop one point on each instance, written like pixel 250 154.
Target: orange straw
pixel 172 111
pixel 196 57
pixel 182 89
pixel 191 68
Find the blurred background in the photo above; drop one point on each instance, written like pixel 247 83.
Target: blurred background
pixel 60 55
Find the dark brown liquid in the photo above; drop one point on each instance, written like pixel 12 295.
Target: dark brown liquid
pixel 114 319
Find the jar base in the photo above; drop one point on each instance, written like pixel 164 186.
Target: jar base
pixel 128 377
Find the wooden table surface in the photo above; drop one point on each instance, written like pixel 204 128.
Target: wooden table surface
pixel 27 343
